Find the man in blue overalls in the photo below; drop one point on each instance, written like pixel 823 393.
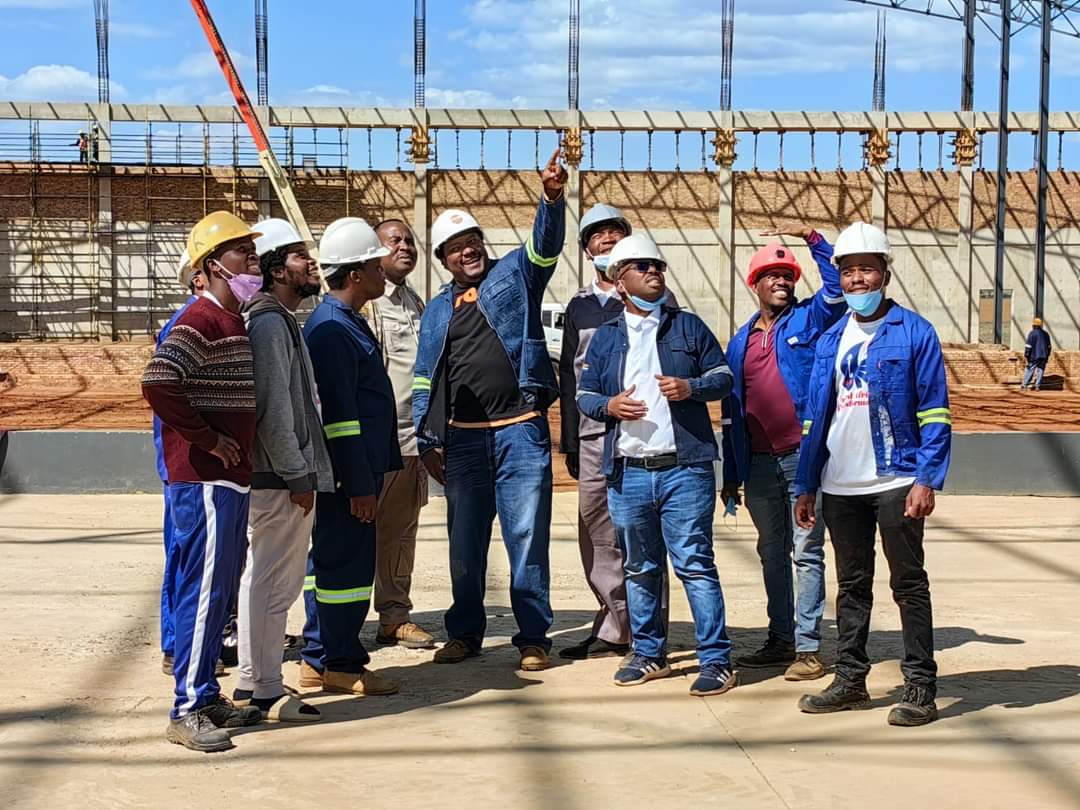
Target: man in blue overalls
pixel 360 423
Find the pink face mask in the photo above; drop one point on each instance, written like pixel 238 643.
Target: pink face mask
pixel 244 287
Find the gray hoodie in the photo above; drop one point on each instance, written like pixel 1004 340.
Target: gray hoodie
pixel 289 450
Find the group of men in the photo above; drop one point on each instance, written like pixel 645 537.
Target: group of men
pixel 296 459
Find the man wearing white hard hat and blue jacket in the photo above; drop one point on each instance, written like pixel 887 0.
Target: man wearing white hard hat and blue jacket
pixel 289 462
pixel 877 440
pixel 360 425
pixel 647 377
pixel 483 383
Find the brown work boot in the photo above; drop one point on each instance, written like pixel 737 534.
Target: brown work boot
pixel 362 683
pixel 310 678
pixel 807 667
pixel 409 635
pixel 534 659
pixel 454 652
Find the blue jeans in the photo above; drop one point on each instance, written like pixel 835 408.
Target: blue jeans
pixel 504 471
pixel 1034 370
pixel 673 507
pixel 770 497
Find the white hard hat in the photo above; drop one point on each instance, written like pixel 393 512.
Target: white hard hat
pixel 349 240
pixel 598 215
pixel 449 224
pixel 862 238
pixel 634 247
pixel 183 270
pixel 275 233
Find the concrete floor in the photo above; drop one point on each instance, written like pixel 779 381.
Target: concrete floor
pixel 84 701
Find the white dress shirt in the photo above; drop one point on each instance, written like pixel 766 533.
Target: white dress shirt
pixel 652 435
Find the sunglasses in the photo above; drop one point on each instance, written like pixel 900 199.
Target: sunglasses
pixel 643 266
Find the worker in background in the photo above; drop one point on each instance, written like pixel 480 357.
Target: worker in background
pixel 290 463
pixel 483 383
pixel 582 440
pixel 878 435
pixel 201 385
pixel 647 376
pixel 194 282
pixel 395 319
pixel 1036 355
pixel 84 146
pixel 359 422
pixel 771 357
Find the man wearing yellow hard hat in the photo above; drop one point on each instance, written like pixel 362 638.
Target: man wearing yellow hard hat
pixel 201 384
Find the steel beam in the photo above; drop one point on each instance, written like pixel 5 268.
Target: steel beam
pixel 1044 116
pixel 1002 171
pixel 967 85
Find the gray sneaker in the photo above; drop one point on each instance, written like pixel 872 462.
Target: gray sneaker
pixel 197 732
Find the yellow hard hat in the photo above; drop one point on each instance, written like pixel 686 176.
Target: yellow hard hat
pixel 1036 321
pixel 212 231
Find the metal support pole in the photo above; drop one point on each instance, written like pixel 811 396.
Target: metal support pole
pixel 1044 115
pixel 1002 171
pixel 967 87
pixel 420 54
pixel 572 73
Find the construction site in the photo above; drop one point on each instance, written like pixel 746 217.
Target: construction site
pixel 96 203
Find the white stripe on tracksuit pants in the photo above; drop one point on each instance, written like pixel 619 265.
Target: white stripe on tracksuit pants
pixel 210 533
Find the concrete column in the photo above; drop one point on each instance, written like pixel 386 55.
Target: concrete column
pixel 964 246
pixel 106 327
pixel 879 154
pixel 422 229
pixel 727 273
pixel 265 190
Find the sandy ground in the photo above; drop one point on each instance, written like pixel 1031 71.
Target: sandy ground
pixel 84 701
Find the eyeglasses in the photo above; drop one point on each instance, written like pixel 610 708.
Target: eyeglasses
pixel 643 266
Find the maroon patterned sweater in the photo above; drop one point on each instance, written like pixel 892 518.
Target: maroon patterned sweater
pixel 201 382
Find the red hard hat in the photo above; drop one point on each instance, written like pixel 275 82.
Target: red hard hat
pixel 770 256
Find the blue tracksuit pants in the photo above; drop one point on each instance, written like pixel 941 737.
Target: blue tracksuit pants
pixel 167 635
pixel 210 542
pixel 337 591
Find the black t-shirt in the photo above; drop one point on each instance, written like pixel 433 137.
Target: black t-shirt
pixel 482 383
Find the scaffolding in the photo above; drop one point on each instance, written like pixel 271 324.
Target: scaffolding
pixel 92 224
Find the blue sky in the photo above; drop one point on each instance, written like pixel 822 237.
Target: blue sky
pixel 635 53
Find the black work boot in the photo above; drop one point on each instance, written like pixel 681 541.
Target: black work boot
pixel 838 696
pixel 197 732
pixel 773 653
pixel 916 706
pixel 223 713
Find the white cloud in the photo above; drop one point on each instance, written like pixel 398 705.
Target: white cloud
pixel 54 83
pixel 327 90
pixel 201 65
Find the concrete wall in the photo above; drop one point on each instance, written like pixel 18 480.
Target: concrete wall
pixel 60 277
pixel 69 461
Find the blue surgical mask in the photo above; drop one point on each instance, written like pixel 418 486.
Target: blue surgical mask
pixel 864 303
pixel 648 306
pixel 601 263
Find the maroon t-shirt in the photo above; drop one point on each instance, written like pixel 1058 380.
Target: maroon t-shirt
pixel 770 413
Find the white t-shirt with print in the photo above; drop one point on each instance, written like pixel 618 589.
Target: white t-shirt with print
pixel 851 468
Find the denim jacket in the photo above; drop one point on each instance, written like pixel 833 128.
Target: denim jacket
pixel 686 349
pixel 910 422
pixel 795 333
pixel 509 297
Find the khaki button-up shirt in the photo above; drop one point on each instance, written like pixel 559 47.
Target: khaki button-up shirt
pixel 398 314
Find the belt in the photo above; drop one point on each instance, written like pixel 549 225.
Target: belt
pixel 497 423
pixel 654 462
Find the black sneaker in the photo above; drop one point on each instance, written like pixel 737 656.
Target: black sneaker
pixel 714 679
pixel 836 697
pixel 223 713
pixel 198 732
pixel 593 647
pixel 640 669
pixel 773 653
pixel 229 656
pixel 916 707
